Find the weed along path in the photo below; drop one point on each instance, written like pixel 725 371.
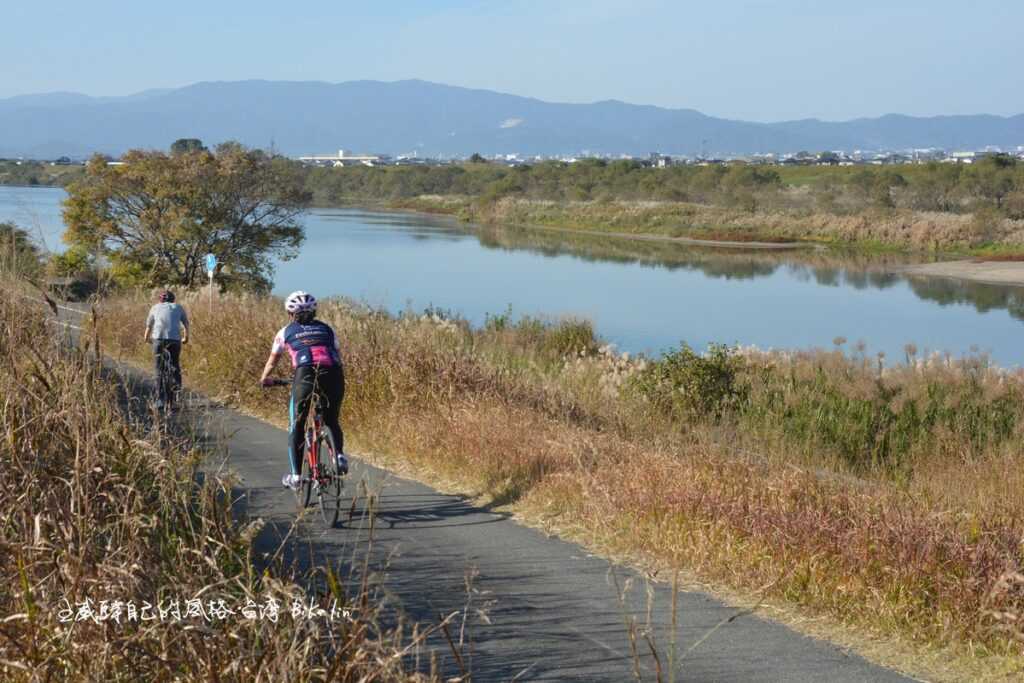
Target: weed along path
pixel 553 611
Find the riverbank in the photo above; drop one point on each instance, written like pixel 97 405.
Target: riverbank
pixel 458 211
pixel 910 232
pixel 18 173
pixel 871 229
pixel 1005 266
pixel 998 272
pixel 689 241
pixel 882 500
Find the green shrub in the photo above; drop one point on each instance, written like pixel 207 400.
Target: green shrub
pixel 693 384
pixel 571 337
pixel 498 322
pixel 881 424
pixel 984 227
pixel 18 251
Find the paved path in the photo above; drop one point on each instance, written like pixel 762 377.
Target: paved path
pixel 555 614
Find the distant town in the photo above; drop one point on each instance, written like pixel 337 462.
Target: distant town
pixel 657 159
pixel 346 158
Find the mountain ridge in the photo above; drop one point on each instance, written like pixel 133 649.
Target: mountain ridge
pixel 433 119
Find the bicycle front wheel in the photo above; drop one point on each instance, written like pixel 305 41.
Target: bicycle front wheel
pixel 331 481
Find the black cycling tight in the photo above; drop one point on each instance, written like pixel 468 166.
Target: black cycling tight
pixel 329 384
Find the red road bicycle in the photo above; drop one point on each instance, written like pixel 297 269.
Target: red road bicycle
pixel 319 466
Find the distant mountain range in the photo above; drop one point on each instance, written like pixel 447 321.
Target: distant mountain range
pixel 434 120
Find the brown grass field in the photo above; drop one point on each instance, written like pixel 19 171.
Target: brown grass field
pixel 883 499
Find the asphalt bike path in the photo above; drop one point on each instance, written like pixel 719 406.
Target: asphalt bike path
pixel 553 609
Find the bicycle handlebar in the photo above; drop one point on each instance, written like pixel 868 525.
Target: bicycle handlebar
pixel 277 383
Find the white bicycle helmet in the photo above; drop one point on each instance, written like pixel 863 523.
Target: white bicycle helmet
pixel 300 302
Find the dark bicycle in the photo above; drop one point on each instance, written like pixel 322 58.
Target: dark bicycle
pixel 319 466
pixel 168 374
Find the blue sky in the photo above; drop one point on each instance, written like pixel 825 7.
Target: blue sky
pixel 760 60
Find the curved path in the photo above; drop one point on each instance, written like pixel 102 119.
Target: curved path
pixel 553 609
pixel 555 612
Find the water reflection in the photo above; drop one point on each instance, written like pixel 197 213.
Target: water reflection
pixel 983 297
pixel 648 295
pixel 827 267
pixel 644 295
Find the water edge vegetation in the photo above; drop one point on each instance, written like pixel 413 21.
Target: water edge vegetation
pixel 938 207
pixel 930 207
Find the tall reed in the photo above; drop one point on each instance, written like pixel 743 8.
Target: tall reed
pixel 103 527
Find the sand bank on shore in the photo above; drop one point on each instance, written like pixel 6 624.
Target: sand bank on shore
pixel 992 272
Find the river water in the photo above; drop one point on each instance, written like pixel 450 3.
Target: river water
pixel 642 296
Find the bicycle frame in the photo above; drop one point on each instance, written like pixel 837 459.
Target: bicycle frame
pixel 313 441
pixel 316 473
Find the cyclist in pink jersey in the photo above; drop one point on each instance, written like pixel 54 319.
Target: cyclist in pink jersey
pixel 316 359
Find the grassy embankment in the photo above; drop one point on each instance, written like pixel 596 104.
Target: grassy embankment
pixel 931 207
pixel 871 229
pixel 886 500
pixel 96 507
pixel 38 173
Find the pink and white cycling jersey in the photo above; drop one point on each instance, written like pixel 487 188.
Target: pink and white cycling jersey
pixel 311 344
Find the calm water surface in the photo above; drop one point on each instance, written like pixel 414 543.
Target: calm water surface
pixel 642 296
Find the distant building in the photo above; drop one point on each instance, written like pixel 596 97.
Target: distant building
pixel 345 158
pixel 659 160
pixel 962 157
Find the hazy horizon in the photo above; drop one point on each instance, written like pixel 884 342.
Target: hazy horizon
pixel 749 60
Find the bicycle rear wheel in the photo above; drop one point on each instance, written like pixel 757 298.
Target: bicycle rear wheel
pixel 331 480
pixel 304 492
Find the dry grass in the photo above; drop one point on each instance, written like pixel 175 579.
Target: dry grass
pixel 896 228
pixel 887 498
pixel 96 507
